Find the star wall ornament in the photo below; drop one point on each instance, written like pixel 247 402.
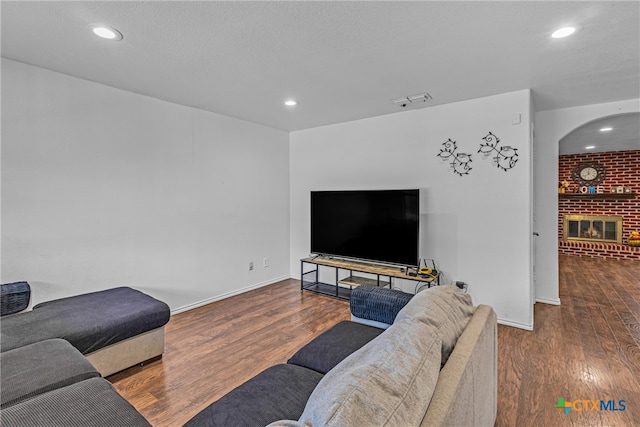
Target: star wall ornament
pixel 460 162
pixel 504 157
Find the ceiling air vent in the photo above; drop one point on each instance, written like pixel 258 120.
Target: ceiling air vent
pixel 417 100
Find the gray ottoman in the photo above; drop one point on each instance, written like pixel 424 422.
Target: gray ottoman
pixel 380 305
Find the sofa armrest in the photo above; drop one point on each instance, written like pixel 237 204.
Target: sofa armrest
pixel 467 388
pixel 380 305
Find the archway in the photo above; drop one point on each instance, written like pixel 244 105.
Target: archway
pixel 597 206
pixel 550 128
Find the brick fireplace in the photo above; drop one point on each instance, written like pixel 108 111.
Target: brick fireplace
pixel 622 170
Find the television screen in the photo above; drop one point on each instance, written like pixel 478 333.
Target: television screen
pixel 375 225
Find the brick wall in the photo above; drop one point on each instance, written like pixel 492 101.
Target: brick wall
pixel 622 168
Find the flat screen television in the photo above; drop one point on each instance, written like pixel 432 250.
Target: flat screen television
pixel 373 225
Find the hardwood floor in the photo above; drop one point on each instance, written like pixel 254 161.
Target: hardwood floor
pixel 587 348
pixel 212 349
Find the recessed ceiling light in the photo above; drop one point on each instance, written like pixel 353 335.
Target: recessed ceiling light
pixel 290 103
pixel 607 129
pixel 590 147
pixel 105 32
pixel 563 32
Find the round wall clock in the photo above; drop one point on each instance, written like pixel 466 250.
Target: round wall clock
pixel 588 173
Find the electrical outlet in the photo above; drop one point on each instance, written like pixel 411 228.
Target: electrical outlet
pixel 265 262
pixel 250 265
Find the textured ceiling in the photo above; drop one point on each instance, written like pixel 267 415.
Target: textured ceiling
pixel 341 60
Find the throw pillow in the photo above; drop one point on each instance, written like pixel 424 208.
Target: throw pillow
pixel 388 382
pixel 446 308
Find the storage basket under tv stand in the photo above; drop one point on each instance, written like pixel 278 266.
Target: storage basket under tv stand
pixel 341 288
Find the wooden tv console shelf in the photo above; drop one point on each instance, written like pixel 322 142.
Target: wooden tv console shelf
pixel 342 286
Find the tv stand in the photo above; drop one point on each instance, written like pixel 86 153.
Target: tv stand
pixel 341 288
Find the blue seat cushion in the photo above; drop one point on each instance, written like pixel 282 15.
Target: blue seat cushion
pixel 334 345
pixel 277 393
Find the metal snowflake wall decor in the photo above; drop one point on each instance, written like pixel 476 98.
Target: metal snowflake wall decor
pixel 460 162
pixel 505 157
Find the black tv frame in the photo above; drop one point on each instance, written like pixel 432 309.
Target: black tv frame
pixel 408 225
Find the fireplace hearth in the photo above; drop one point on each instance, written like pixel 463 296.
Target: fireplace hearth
pixel 593 228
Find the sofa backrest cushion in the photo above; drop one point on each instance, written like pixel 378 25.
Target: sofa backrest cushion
pixel 446 308
pixel 38 368
pixel 389 381
pixel 92 402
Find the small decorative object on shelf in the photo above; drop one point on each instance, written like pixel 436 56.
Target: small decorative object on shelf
pixel 505 157
pixel 460 162
pixel 563 186
pixel 634 238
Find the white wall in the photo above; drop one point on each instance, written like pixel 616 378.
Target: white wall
pixel 103 187
pixel 477 227
pixel 551 127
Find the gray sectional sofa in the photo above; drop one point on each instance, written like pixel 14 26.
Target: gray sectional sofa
pixel 435 365
pixel 53 358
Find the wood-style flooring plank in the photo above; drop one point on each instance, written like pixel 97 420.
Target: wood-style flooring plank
pixel 586 348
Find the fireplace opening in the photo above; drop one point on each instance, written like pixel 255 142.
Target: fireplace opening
pixel 593 228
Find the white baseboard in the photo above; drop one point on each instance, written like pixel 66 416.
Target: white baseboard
pixel 227 295
pixel 515 324
pixel 279 279
pixel 549 301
